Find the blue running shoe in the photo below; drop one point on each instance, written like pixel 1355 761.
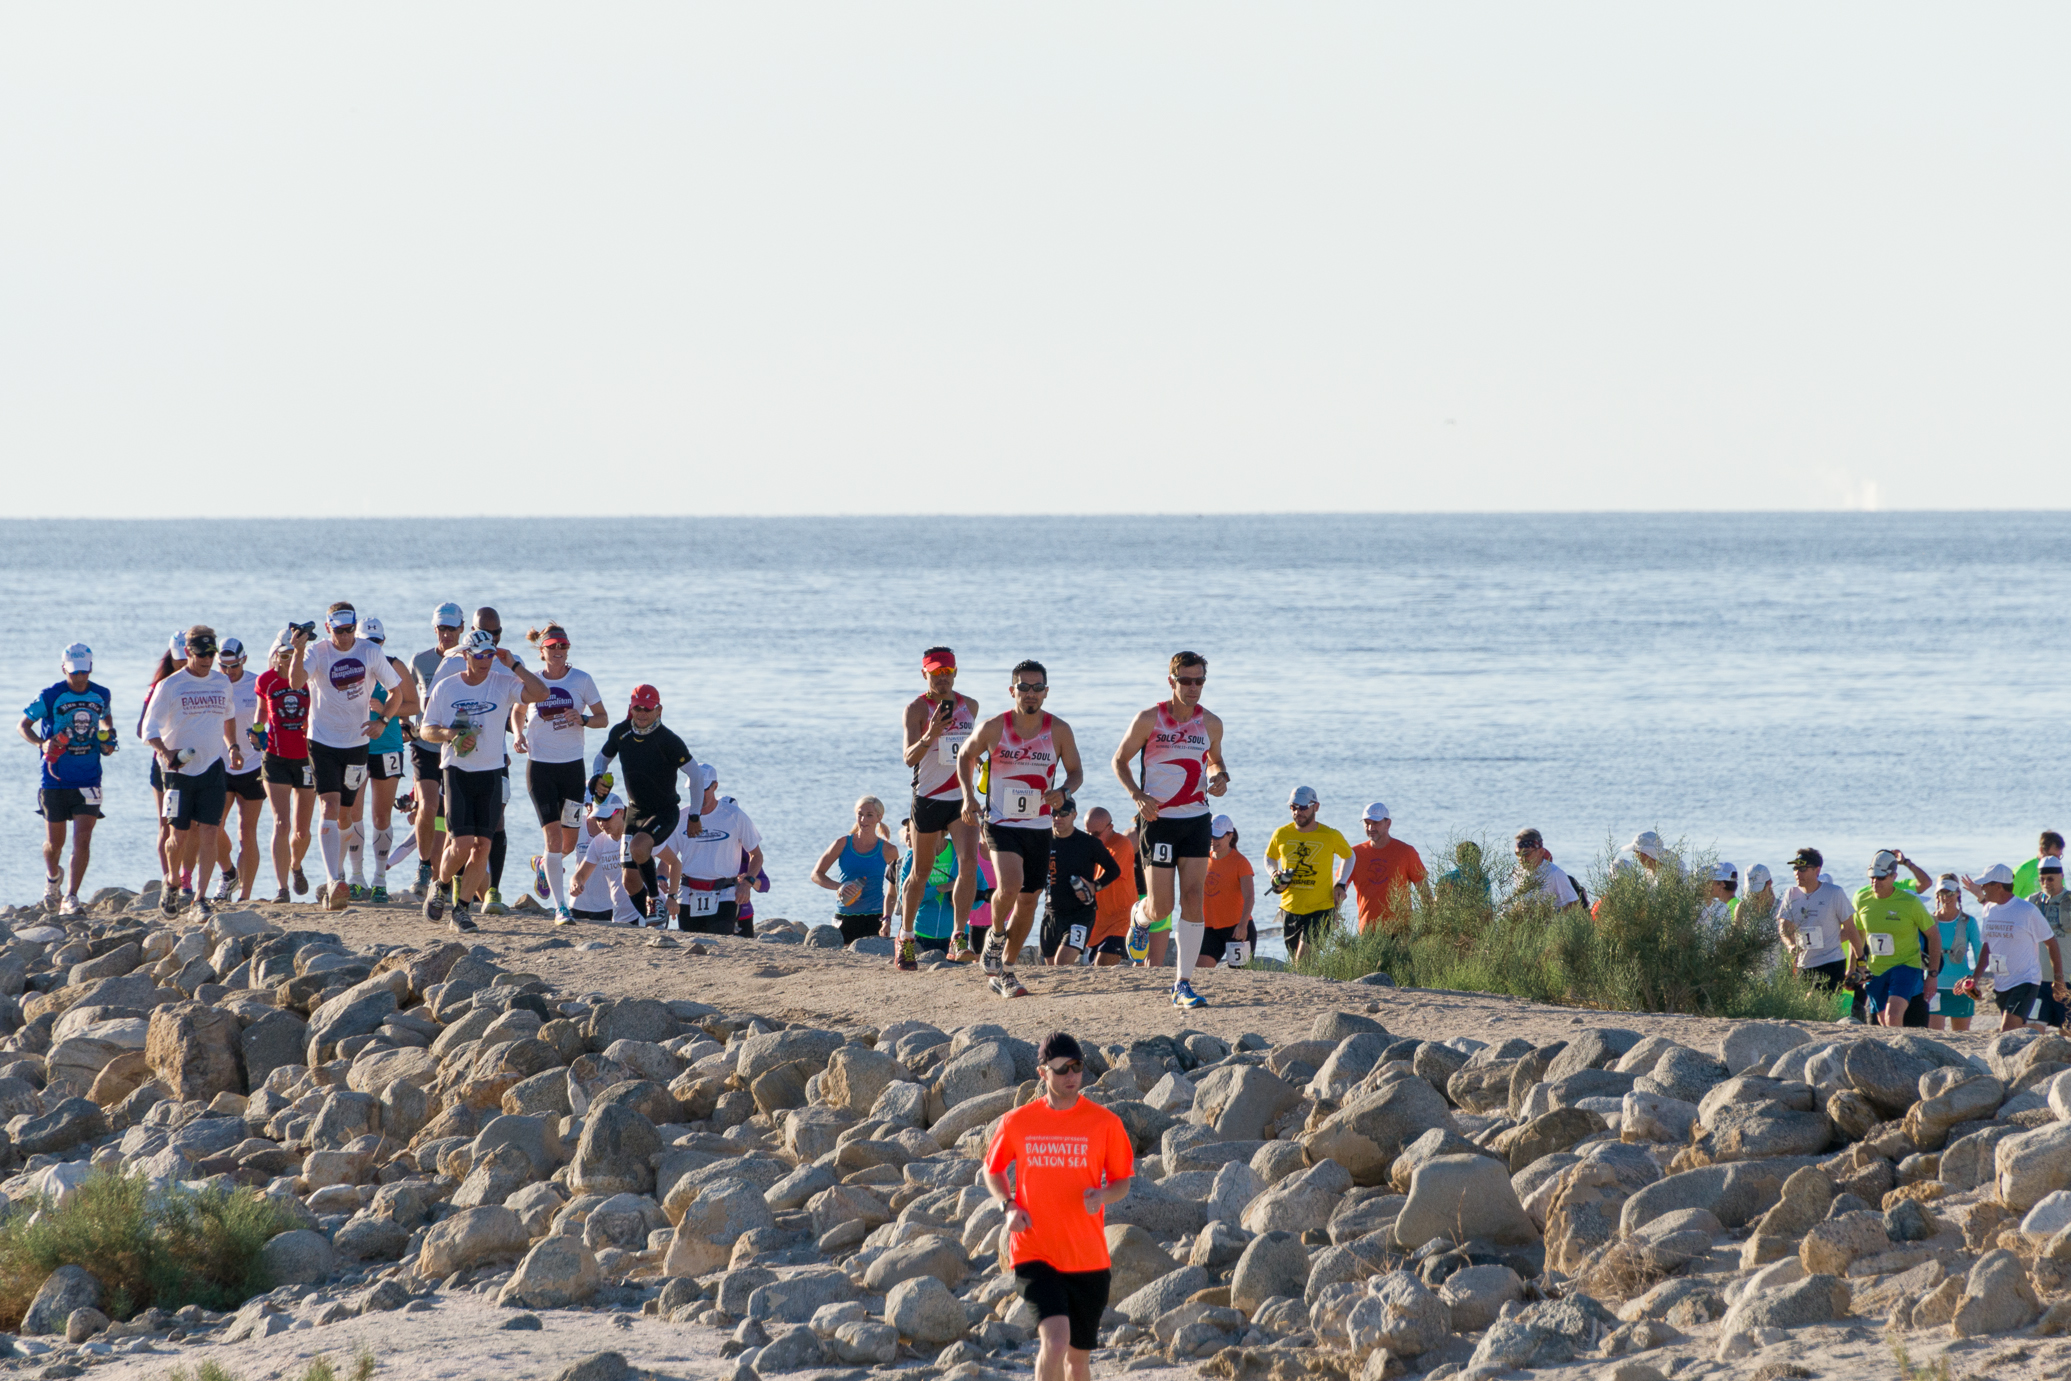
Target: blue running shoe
pixel 540 888
pixel 1183 995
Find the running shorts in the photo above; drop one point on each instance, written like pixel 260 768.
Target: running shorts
pixel 474 802
pixel 57 804
pixel 657 825
pixel 195 798
pixel 592 915
pixel 1828 977
pixel 1162 843
pixel 1080 1296
pixel 1955 1006
pixel 2048 1010
pixel 2016 999
pixel 558 790
pixel 343 770
pixel 295 772
pixel 1071 929
pixel 854 928
pixel 931 816
pixel 1900 980
pixel 426 761
pixel 708 911
pixel 1114 944
pixel 385 765
pixel 1295 926
pixel 246 785
pixel 1031 845
pixel 1215 944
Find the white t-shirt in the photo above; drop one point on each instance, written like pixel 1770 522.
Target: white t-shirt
pixel 244 706
pixel 605 888
pixel 2014 932
pixel 187 711
pixel 1551 880
pixel 486 706
pixel 1818 915
pixel 339 684
pixel 729 835
pixel 553 729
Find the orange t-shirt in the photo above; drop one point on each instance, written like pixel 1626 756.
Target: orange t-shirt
pixel 1058 1156
pixel 1222 903
pixel 1112 904
pixel 1376 872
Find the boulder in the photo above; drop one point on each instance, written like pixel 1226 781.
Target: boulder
pixel 1239 1102
pixel 469 1238
pixel 358 1011
pixel 613 1155
pixel 1303 1203
pixel 970 1115
pixel 1654 1117
pixel 1475 1297
pixel 1135 1260
pixel 1885 1074
pixel 1544 1334
pixel 297 1257
pixel 1273 1263
pixel 792 1349
pixel 273 1041
pixel 857 1075
pixel 1370 1130
pixel 1830 1247
pixel 1398 1313
pixel 796 1298
pixel 1997 1297
pixel 978 1070
pixel 2031 1165
pixel 1236 1185
pixel 1166 1292
pixel 1681 1073
pixel 1950 1096
pixel 195 1050
pixel 1354 1059
pixel 1761 1131
pixel 1812 1299
pixel 937 1256
pixel 557 1273
pixel 830 1208
pixel 704 1238
pixel 1758 1045
pixel 1591 1048
pixel 923 1310
pixel 1736 1192
pixel 71 1122
pixel 1555 1131
pixel 1461 1197
pixel 65 1289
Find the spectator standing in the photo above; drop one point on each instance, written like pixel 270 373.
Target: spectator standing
pixel 1300 856
pixel 1541 876
pixel 1384 869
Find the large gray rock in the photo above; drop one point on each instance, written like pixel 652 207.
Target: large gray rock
pixel 1950 1096
pixel 1738 1192
pixel 1370 1130
pixel 71 1122
pixel 643 1019
pixel 358 1011
pixel 1475 1296
pixel 1761 1131
pixel 63 1290
pixel 1811 1299
pixel 279 1038
pixel 982 1069
pixel 1591 1048
pixel 1544 1334
pixel 924 1312
pixel 713 1222
pixel 2033 1164
pixel 559 1272
pixel 1681 1073
pixel 1302 1203
pixel 1997 1297
pixel 613 1155
pixel 1239 1102
pixel 1157 1209
pixel 1347 1065
pixel 856 1076
pixel 297 1257
pixel 1885 1074
pixel 1399 1313
pixel 1273 1263
pixel 470 1238
pixel 1758 1045
pixel 970 1115
pixel 796 1298
pixel 1461 1197
pixel 796 1045
pixel 1655 1118
pixel 792 1349
pixel 939 1256
pixel 1167 1292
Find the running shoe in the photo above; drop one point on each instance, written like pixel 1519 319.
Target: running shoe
pixel 357 891
pixel 563 916
pixel 53 891
pixel 494 906
pixel 960 951
pixel 434 904
pixel 280 898
pixel 227 888
pixel 203 908
pixel 994 960
pixel 1010 987
pixel 1183 995
pixel 903 958
pixel 1138 943
pixel 335 897
pixel 72 906
pixel 301 880
pixel 539 878
pixel 169 901
pixel 460 921
pixel 379 896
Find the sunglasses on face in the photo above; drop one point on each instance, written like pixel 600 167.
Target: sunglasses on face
pixel 480 656
pixel 1068 1067
pixel 1190 680
pixel 1027 689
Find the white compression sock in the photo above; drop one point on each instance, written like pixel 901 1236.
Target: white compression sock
pixel 382 839
pixel 333 847
pixel 404 849
pixel 1190 935
pixel 554 882
pixel 356 851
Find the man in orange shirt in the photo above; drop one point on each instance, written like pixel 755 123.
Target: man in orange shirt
pixel 1113 904
pixel 1383 870
pixel 1071 1159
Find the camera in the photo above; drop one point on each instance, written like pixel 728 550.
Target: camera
pixel 307 630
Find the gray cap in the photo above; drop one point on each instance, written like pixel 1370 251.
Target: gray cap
pixel 1302 796
pixel 1884 864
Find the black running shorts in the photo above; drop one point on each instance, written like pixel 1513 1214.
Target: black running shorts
pixel 295 772
pixel 1295 926
pixel 426 760
pixel 854 927
pixel 340 770
pixel 58 804
pixel 2016 999
pixel 1215 944
pixel 385 765
pixel 246 785
pixel 1070 928
pixel 1080 1296
pixel 1031 844
pixel 1162 843
pixel 657 825
pixel 195 799
pixel 474 803
pixel 558 790
pixel 931 816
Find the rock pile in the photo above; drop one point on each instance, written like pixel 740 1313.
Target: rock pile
pixel 1354 1204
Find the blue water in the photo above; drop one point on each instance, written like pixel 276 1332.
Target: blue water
pixel 1749 683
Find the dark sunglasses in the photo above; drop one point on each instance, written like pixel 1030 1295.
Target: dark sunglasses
pixel 1026 689
pixel 1190 680
pixel 1068 1067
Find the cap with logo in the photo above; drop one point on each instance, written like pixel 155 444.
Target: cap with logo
pixel 1220 826
pixel 201 645
pixel 178 645
pixel 708 776
pixel 372 630
pixel 1647 844
pixel 1884 864
pixel 1807 858
pixel 608 807
pixel 348 617
pixel 76 658
pixel 1302 796
pixel 1377 811
pixel 1757 877
pixel 232 651
pixel 645 697
pixel 1998 873
pixel 448 615
pixel 480 644
pixel 937 659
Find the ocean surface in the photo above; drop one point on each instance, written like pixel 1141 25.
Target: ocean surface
pixel 1744 683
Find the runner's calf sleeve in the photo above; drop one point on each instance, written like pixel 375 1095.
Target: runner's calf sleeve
pixel 499 845
pixel 1191 935
pixel 333 849
pixel 650 875
pixel 552 864
pixel 382 840
pixel 356 848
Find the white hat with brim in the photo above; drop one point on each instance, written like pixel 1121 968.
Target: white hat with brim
pixel 1647 844
pixel 1998 873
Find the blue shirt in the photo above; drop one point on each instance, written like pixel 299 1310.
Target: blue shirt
pixel 937 915
pixel 390 739
pixel 60 709
pixel 1960 945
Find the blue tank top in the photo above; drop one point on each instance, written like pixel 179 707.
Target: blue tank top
pixel 389 740
pixel 870 868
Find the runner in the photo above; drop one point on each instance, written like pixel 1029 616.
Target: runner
pixel 707 876
pixel 1647 847
pixel 1758 898
pixel 1816 922
pixel 600 883
pixel 1384 869
pixel 284 743
pixel 1299 857
pixel 73 723
pixel 1720 897
pixel 2013 930
pixel 487 620
pixel 340 672
pixel 426 668
pixel 652 756
pixel 385 770
pixel 1022 750
pixel 1228 900
pixel 1178 746
pixel 1114 906
pixel 1962 943
pixel 2054 903
pixel 550 733
pixel 1071 1160
pixel 938 723
pixel 1890 923
pixel 466 715
pixel 1080 870
pixel 242 791
pixel 190 726
pixel 173 659
pixel 866 859
pixel 936 922
pixel 2027 879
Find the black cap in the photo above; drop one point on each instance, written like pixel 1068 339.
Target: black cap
pixel 1808 857
pixel 1059 1046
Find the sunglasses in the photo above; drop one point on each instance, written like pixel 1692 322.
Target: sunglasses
pixel 1308 805
pixel 1027 689
pixel 1190 680
pixel 480 656
pixel 1068 1067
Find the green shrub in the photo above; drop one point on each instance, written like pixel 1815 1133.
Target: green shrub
pixel 164 1248
pixel 1645 950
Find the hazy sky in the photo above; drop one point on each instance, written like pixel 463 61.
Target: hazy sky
pixel 766 258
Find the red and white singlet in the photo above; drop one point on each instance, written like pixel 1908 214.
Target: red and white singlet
pixel 1174 771
pixel 1019 771
pixel 934 776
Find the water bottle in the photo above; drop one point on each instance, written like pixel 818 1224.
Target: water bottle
pixel 183 757
pixel 54 746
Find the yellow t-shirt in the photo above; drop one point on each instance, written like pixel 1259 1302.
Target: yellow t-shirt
pixel 1307 855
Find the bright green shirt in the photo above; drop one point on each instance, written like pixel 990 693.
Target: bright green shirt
pixel 1902 919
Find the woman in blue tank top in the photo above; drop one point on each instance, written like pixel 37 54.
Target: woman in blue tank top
pixel 861 860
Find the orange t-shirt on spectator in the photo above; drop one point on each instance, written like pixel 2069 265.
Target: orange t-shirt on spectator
pixel 1057 1157
pixel 1376 872
pixel 1222 902
pixel 1112 904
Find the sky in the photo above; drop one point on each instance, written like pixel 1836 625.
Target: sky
pixel 1000 259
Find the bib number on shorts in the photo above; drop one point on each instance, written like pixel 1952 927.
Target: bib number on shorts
pixel 171 810
pixel 1881 945
pixel 1161 853
pixel 392 764
pixel 308 776
pixel 1236 954
pixel 704 903
pixel 946 750
pixel 355 774
pixel 1017 801
pixel 571 814
pixel 1075 937
pixel 89 795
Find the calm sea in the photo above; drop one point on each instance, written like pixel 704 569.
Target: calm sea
pixel 1747 683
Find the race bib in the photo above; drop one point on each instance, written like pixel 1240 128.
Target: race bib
pixel 1161 853
pixel 171 809
pixel 89 795
pixel 1996 965
pixel 1075 937
pixel 392 764
pixel 1236 954
pixel 1934 1001
pixel 355 774
pixel 571 814
pixel 704 903
pixel 946 750
pixel 1881 945
pixel 506 790
pixel 1814 937
pixel 1017 800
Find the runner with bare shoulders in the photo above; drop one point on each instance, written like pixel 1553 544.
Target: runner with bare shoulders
pixel 1022 750
pixel 938 723
pixel 1179 744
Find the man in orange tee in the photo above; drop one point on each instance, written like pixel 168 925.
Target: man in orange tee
pixel 1113 904
pixel 1071 1159
pixel 1382 868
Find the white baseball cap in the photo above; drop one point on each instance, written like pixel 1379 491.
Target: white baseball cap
pixel 1378 811
pixel 1220 826
pixel 479 643
pixel 77 657
pixel 1998 873
pixel 1757 877
pixel 1302 796
pixel 1724 872
pixel 708 776
pixel 348 617
pixel 448 615
pixel 177 645
pixel 1647 844
pixel 608 807
pixel 372 631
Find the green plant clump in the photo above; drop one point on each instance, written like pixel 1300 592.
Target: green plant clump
pixel 161 1248
pixel 1645 950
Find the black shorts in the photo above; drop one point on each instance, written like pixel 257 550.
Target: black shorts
pixel 474 803
pixel 555 787
pixel 1113 944
pixel 57 804
pixel 2016 999
pixel 854 927
pixel 1031 844
pixel 723 921
pixel 195 799
pixel 426 761
pixel 295 772
pixel 385 765
pixel 657 825
pixel 1297 926
pixel 939 944
pixel 1071 929
pixel 246 785
pixel 1080 1296
pixel 931 816
pixel 340 770
pixel 1828 976
pixel 1162 843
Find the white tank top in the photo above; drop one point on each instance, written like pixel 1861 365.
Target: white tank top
pixel 1174 767
pixel 934 776
pixel 1019 771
